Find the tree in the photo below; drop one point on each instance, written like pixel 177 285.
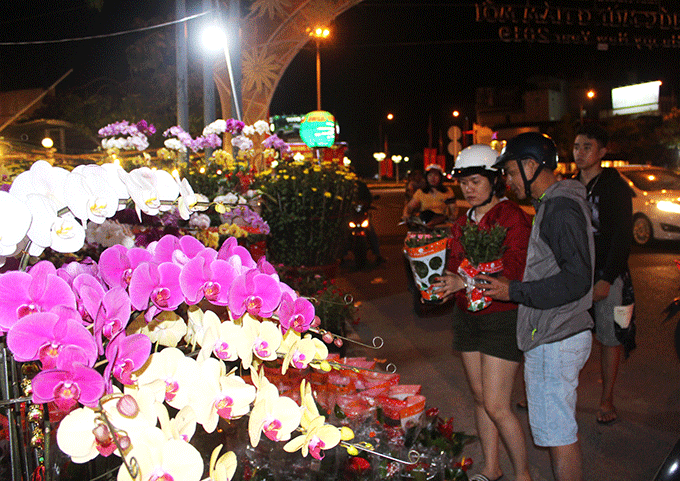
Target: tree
pixel 148 92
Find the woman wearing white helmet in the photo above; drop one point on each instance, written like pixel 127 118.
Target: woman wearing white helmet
pixel 487 339
pixel 436 202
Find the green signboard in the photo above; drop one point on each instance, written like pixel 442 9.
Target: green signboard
pixel 317 129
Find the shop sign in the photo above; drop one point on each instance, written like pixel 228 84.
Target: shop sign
pixel 638 23
pixel 317 129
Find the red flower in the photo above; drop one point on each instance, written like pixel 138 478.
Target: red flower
pixel 358 465
pixel 432 413
pixel 464 464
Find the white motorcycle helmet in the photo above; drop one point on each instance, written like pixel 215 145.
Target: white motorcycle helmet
pixel 476 159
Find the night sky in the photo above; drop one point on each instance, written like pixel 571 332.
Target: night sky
pixel 416 59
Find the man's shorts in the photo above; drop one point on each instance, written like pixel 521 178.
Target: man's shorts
pixel 603 312
pixel 551 376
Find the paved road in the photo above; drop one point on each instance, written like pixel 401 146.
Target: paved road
pixel 648 389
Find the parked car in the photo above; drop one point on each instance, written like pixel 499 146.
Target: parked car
pixel 656 202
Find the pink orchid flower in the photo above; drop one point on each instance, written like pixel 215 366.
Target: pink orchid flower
pixel 179 250
pixel 112 316
pixel 23 293
pixel 125 354
pixel 67 385
pixel 202 278
pixel 89 294
pixel 158 284
pixel 255 293
pixel 44 335
pixel 117 263
pixel 295 312
pixel 70 271
pixel 230 248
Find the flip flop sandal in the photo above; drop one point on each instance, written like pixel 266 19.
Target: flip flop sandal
pixel 607 422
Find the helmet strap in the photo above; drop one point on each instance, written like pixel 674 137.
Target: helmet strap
pixel 489 199
pixel 527 183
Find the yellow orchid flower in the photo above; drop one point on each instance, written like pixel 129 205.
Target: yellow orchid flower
pixel 319 436
pixel 221 469
pixel 276 416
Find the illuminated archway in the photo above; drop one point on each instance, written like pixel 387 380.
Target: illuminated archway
pixel 273 33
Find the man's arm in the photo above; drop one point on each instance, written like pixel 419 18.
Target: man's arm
pixel 619 216
pixel 565 230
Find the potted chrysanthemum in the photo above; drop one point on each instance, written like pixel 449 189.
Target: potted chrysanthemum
pixel 306 205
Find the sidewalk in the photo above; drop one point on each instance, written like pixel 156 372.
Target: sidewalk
pixel 631 449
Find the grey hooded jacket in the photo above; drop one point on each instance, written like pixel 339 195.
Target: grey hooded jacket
pixel 557 289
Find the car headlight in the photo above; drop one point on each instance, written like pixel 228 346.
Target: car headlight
pixel 668 206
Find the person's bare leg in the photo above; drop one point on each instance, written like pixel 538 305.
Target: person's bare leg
pixel 566 462
pixel 498 377
pixel 486 429
pixel 609 364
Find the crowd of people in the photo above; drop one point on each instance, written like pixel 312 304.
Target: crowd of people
pixel 564 273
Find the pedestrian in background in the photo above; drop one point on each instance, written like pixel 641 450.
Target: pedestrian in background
pixel 612 218
pixel 487 339
pixel 435 203
pixel 553 325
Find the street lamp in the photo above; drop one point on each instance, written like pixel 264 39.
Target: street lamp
pixel 590 94
pixel 383 143
pixel 215 39
pixel 397 160
pixel 379 156
pixel 318 34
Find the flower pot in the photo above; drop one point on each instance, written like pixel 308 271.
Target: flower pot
pixel 476 300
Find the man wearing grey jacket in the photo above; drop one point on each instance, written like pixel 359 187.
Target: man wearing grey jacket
pixel 553 327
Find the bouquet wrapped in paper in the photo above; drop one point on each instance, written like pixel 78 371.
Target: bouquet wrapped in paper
pixel 426 253
pixel 483 255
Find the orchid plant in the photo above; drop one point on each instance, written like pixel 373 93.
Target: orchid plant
pixel 92 326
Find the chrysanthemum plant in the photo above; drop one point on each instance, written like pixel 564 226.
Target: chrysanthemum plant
pixel 306 205
pixel 115 342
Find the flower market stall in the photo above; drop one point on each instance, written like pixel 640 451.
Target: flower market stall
pixel 140 342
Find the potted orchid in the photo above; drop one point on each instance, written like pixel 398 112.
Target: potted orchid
pixel 135 353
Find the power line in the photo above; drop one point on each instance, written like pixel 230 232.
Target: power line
pixel 106 35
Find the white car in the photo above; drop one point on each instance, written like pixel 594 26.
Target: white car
pixel 656 202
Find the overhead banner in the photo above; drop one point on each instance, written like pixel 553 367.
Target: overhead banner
pixel 638 23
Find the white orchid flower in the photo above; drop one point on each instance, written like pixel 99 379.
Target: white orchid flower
pixel 114 175
pixel 62 234
pixel 41 179
pixel 176 371
pixel 221 338
pixel 188 200
pixel 167 187
pixel 162 458
pixel 259 338
pixel 166 329
pixel 75 435
pixel 89 195
pixel 261 127
pixel 221 469
pixel 15 220
pixel 275 416
pixel 181 427
pixel 142 186
pixel 219 126
pixel 218 395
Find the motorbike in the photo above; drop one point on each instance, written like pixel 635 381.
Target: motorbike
pixel 359 225
pixel 669 471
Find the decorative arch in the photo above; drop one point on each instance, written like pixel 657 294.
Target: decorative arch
pixel 272 34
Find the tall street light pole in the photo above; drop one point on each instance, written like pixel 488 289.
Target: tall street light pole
pixel 318 33
pixel 182 66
